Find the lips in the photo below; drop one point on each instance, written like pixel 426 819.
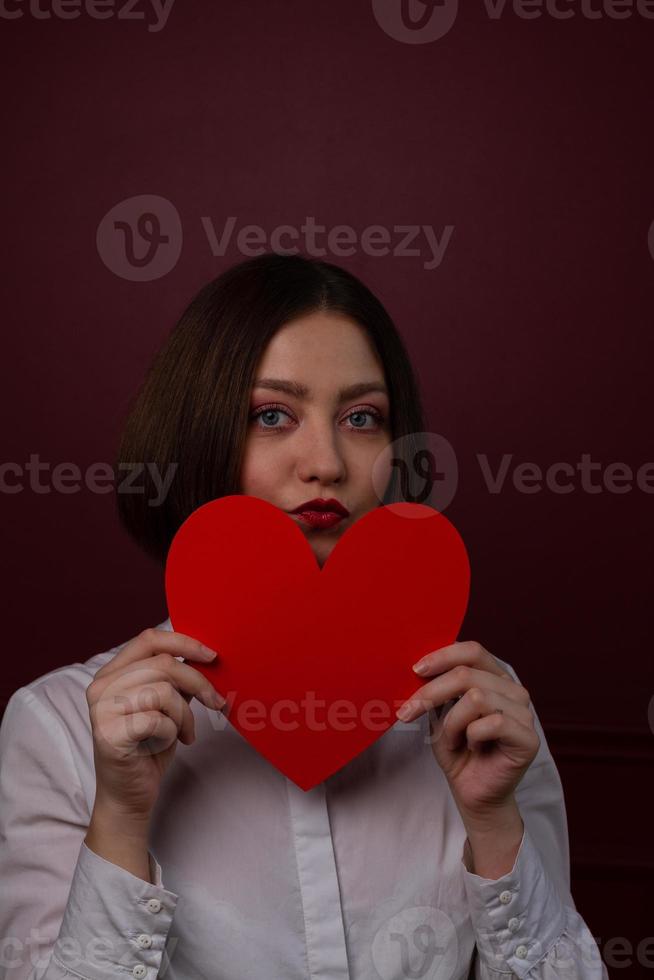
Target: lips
pixel 320 513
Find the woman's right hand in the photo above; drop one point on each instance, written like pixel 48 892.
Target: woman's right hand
pixel 138 705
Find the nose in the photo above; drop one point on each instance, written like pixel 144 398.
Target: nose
pixel 319 456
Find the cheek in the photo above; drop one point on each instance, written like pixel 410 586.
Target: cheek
pixel 366 461
pixel 261 467
pixel 381 463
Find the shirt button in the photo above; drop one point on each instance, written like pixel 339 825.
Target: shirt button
pixel 144 941
pixel 154 905
pixel 139 971
pixel 514 924
pixel 521 952
pixel 505 897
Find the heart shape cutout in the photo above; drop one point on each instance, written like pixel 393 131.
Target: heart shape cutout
pixel 315 662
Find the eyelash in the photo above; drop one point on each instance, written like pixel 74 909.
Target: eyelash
pixel 379 418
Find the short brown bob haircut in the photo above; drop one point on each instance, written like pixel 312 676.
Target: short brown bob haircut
pixel 193 407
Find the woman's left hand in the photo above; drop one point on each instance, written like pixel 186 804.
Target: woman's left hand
pixel 487 740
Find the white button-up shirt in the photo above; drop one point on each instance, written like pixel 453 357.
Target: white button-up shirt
pixel 364 876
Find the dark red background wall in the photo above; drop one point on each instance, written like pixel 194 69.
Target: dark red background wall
pixel 532 139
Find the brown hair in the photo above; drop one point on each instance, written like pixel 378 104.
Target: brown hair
pixel 193 406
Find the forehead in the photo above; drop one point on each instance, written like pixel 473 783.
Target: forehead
pixel 321 350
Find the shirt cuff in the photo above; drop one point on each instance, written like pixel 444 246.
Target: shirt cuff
pixel 113 920
pixel 516 918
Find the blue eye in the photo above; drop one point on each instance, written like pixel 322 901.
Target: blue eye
pixel 362 415
pixel 266 411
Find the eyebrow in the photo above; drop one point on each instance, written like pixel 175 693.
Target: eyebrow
pixel 302 391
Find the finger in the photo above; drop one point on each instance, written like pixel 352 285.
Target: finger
pixel 152 642
pixel 158 696
pixel 507 731
pixel 148 733
pixel 477 703
pixel 455 683
pixel 468 653
pixel 184 677
pixel 124 733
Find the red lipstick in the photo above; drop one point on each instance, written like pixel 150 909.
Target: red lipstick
pixel 321 514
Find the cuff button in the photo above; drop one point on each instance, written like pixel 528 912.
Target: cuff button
pixel 154 905
pixel 505 897
pixel 521 952
pixel 139 971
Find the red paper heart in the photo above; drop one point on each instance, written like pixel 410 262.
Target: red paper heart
pixel 295 640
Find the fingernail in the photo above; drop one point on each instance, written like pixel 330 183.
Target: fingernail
pixel 208 652
pixel 421 667
pixel 404 712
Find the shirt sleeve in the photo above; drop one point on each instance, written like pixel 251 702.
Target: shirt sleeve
pixel 526 923
pixel 65 912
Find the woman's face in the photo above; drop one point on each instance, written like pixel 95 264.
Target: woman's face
pixel 315 441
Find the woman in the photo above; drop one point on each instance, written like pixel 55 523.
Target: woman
pixel 441 851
